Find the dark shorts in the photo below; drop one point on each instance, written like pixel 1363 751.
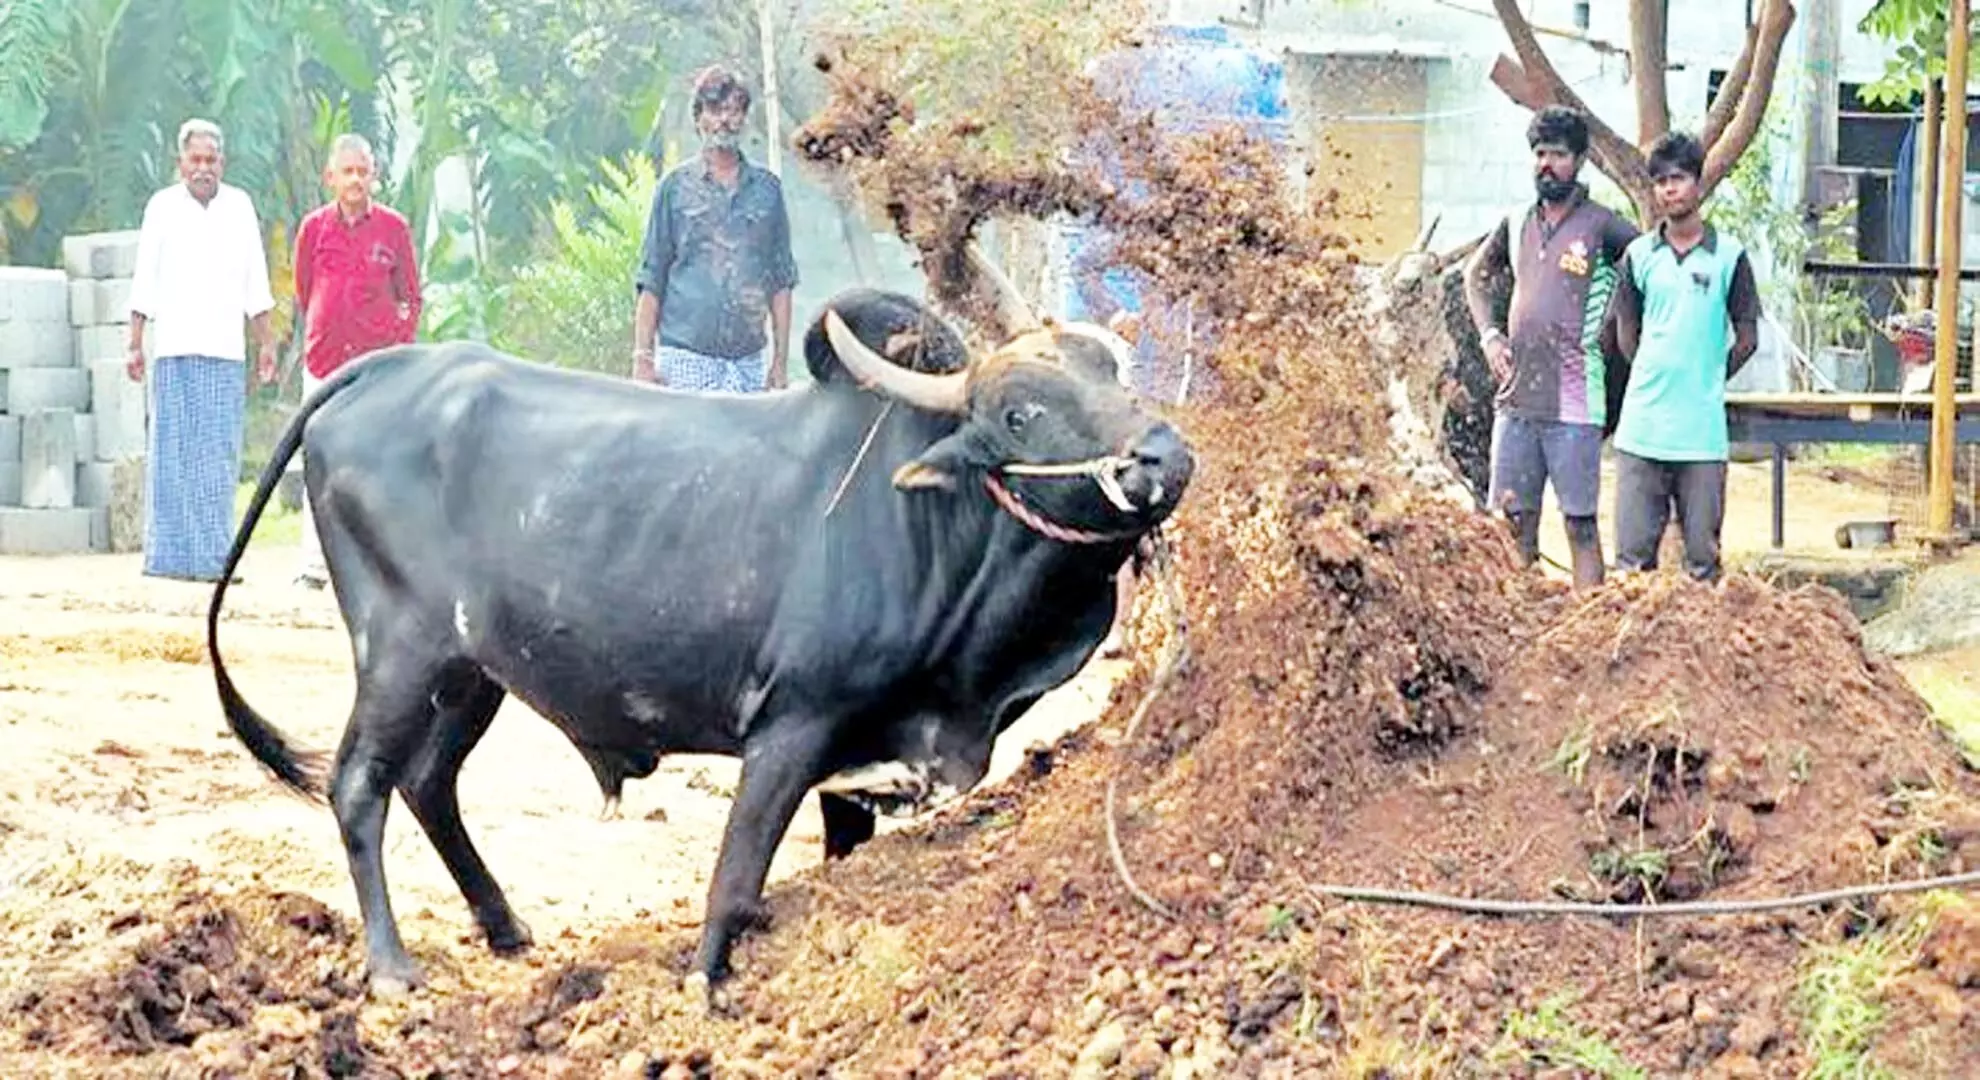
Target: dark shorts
pixel 1528 453
pixel 1646 494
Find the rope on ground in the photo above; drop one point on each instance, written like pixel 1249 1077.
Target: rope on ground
pixel 1173 657
pixel 1694 908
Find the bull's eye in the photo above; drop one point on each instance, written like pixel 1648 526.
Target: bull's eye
pixel 1017 416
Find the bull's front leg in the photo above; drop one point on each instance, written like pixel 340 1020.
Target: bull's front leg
pixel 780 763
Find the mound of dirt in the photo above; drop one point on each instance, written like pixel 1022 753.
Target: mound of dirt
pixel 240 977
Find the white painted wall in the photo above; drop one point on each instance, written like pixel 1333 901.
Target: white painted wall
pixel 1476 160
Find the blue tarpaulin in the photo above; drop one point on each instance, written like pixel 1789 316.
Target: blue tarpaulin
pixel 1192 79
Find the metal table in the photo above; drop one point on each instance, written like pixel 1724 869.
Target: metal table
pixel 1783 420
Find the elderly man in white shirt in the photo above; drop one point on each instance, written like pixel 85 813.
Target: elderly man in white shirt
pixel 201 270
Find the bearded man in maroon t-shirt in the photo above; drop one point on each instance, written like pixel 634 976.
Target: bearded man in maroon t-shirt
pixel 357 288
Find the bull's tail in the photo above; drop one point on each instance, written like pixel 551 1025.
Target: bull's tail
pixel 302 770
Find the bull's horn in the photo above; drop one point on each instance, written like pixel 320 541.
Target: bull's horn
pixel 1012 308
pixel 1430 230
pixel 935 393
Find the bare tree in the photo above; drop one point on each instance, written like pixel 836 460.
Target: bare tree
pixel 1731 123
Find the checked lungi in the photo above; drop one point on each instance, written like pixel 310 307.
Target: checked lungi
pixel 684 369
pixel 193 465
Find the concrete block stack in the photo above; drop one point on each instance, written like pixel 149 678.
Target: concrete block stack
pixel 70 418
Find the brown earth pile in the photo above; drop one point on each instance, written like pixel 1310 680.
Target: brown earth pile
pixel 1374 695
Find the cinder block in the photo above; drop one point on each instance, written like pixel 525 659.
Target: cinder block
pixel 99 530
pixel 10 439
pixel 3 391
pixel 118 405
pixel 127 505
pixel 85 437
pixel 31 390
pixel 33 295
pixel 95 343
pixel 101 255
pixel 113 344
pixel 36 345
pixel 43 532
pixel 10 483
pixel 99 303
pixel 93 480
pixel 48 459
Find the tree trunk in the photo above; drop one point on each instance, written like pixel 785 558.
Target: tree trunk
pixel 1776 17
pixel 1730 126
pixel 1649 36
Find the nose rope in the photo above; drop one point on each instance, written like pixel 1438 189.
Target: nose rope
pixel 1051 530
pixel 1104 471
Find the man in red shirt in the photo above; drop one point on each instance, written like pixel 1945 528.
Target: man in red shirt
pixel 357 288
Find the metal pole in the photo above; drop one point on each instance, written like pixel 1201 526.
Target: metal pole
pixel 1779 506
pixel 1926 197
pixel 1822 45
pixel 773 115
pixel 1946 343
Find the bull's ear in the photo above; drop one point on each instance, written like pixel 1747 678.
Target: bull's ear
pixel 941 466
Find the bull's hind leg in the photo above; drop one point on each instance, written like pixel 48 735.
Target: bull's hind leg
pixel 847 824
pixel 466 704
pixel 390 722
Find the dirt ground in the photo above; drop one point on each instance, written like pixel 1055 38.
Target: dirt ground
pixel 121 777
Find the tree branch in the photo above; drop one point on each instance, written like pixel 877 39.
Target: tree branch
pixel 1775 20
pixel 1649 41
pixel 1534 83
pixel 1731 89
pixel 1511 79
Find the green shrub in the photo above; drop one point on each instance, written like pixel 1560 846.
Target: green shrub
pixel 574 306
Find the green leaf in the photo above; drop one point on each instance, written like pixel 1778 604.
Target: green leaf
pixel 31 36
pixel 328 40
pixel 210 25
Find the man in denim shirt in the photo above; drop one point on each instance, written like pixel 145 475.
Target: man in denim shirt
pixel 716 262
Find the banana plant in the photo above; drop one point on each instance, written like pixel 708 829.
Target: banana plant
pixel 31 37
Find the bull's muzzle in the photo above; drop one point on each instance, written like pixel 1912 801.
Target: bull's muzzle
pixel 1159 469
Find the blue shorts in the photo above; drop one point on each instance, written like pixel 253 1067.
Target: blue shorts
pixel 1528 453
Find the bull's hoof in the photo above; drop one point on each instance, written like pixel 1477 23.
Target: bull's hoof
pixel 394 984
pixel 610 811
pixel 712 998
pixel 511 939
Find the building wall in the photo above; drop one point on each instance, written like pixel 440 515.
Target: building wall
pixel 1475 160
pixel 1374 168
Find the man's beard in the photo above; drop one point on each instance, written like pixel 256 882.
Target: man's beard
pixel 1551 188
pixel 719 139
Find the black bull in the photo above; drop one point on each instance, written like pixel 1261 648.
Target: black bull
pixel 666 572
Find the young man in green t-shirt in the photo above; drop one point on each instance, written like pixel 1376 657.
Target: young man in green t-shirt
pixel 1687 315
